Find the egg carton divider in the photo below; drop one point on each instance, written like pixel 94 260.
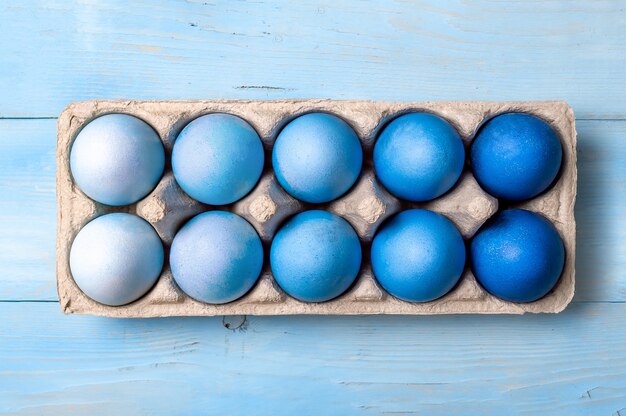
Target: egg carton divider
pixel 267 206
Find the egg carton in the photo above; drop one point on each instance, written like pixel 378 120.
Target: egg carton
pixel 267 206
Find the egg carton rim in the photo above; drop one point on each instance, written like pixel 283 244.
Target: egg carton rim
pixel 556 113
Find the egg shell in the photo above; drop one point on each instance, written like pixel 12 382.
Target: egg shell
pixel 418 157
pixel 418 255
pixel 518 256
pixel 216 257
pixel 117 159
pixel 315 256
pixel 516 156
pixel 116 258
pixel 317 157
pixel 217 158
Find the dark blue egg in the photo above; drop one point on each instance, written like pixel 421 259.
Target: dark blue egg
pixel 518 256
pixel 516 156
pixel 216 257
pixel 217 158
pixel 418 255
pixel 315 256
pixel 317 157
pixel 418 157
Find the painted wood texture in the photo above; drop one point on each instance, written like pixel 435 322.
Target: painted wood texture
pixel 572 363
pixel 55 52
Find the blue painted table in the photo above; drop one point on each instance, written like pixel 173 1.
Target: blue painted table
pixel 55 52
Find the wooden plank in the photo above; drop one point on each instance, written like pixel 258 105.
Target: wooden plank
pixel 62 51
pixel 572 363
pixel 28 211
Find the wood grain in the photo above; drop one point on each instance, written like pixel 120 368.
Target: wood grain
pixel 572 363
pixel 57 51
pixel 53 52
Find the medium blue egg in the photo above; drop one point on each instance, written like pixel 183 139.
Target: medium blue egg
pixel 317 157
pixel 518 256
pixel 216 257
pixel 418 255
pixel 516 156
pixel 418 157
pixel 217 158
pixel 315 256
pixel 116 258
pixel 117 159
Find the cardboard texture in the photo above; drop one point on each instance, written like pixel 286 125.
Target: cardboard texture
pixel 365 206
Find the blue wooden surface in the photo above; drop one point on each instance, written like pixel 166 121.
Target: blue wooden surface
pixel 54 52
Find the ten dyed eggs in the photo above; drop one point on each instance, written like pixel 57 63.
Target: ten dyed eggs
pixel 518 256
pixel 317 157
pixel 217 158
pixel 516 156
pixel 116 258
pixel 418 157
pixel 216 257
pixel 316 256
pixel 117 159
pixel 418 255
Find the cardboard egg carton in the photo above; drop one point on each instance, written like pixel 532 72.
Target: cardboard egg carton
pixel 267 206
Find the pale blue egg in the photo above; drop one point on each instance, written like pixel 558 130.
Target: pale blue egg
pixel 216 257
pixel 117 159
pixel 317 157
pixel 418 255
pixel 418 157
pixel 315 256
pixel 217 158
pixel 116 258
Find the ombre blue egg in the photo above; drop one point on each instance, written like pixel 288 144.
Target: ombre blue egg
pixel 516 156
pixel 117 159
pixel 315 256
pixel 115 259
pixel 418 157
pixel 317 157
pixel 216 257
pixel 518 256
pixel 418 255
pixel 217 158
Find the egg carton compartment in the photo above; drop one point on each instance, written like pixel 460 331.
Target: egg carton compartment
pixel 267 206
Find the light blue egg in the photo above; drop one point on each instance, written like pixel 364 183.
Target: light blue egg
pixel 516 156
pixel 217 158
pixel 418 255
pixel 315 256
pixel 116 258
pixel 518 256
pixel 418 157
pixel 117 159
pixel 216 257
pixel 317 157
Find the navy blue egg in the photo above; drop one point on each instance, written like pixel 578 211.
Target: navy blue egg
pixel 317 157
pixel 518 256
pixel 117 159
pixel 115 259
pixel 418 255
pixel 516 156
pixel 315 256
pixel 418 157
pixel 216 257
pixel 217 158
